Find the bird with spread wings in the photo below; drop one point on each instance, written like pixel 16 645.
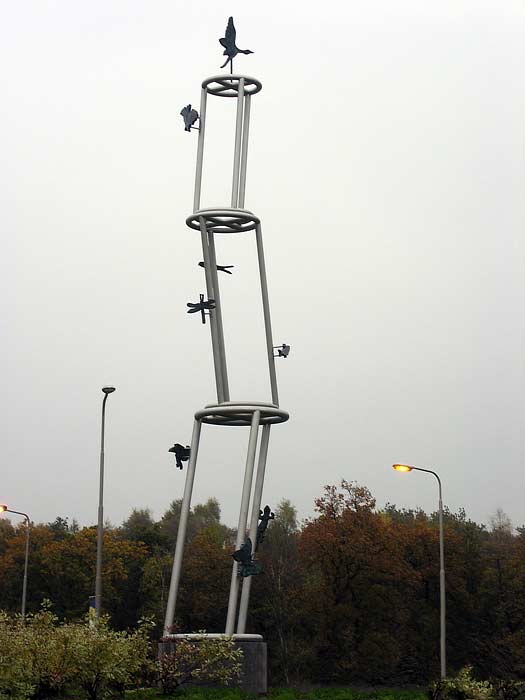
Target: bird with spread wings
pixel 190 116
pixel 230 48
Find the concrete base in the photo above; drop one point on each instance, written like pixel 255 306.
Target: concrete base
pixel 253 678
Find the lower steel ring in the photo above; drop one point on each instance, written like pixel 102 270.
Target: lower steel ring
pixel 241 413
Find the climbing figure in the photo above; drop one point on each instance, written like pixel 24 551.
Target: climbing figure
pixel 263 525
pixel 243 556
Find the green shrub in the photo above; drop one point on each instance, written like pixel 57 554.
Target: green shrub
pixel 42 658
pixel 509 689
pixel 15 678
pixel 107 661
pixel 461 687
pixel 204 660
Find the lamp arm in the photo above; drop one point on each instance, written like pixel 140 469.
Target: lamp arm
pixel 18 512
pixel 429 471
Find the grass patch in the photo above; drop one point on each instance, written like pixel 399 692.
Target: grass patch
pixel 189 694
pixel 329 693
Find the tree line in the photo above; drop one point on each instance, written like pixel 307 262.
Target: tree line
pixel 349 595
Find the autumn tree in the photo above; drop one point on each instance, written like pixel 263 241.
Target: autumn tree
pixel 141 527
pixel 276 608
pixel 201 516
pixel 357 581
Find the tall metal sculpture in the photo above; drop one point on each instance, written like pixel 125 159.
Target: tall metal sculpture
pixel 259 416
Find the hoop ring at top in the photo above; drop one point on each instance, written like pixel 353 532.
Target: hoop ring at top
pixel 228 85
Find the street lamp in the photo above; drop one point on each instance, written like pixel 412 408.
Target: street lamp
pixel 406 468
pixel 100 528
pixel 5 509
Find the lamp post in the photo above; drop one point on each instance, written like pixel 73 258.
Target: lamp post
pixel 5 509
pixel 100 528
pixel 406 468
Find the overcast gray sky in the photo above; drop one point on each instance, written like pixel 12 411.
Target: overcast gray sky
pixel 387 165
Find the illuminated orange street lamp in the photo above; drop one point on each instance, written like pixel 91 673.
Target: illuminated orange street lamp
pixel 5 509
pixel 407 468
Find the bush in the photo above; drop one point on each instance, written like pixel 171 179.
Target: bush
pixel 43 658
pixel 204 660
pixel 509 689
pixel 108 661
pixel 15 678
pixel 461 687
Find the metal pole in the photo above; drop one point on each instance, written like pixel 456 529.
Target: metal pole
pixel 266 312
pixel 200 151
pixel 100 526
pixel 442 616
pixel 181 532
pixel 243 517
pixel 237 152
pixel 26 560
pixel 256 506
pixel 212 294
pixel 442 601
pixel 218 317
pixel 244 150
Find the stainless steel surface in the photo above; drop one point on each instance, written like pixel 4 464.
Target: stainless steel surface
pixel 243 517
pixel 183 524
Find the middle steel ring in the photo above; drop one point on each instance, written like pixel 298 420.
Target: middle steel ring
pixel 224 220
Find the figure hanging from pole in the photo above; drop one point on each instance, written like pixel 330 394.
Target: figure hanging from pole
pixel 265 518
pixel 243 556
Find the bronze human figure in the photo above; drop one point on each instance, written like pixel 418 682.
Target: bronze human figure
pixel 265 518
pixel 243 556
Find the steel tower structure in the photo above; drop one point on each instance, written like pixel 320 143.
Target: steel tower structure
pixel 258 416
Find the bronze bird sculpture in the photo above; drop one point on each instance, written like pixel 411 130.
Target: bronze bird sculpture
pixel 190 116
pixel 221 268
pixel 230 49
pixel 282 350
pixel 182 454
